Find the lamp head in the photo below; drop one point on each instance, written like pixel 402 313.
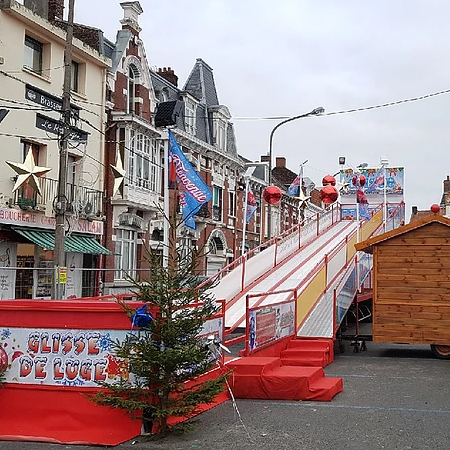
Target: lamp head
pixel 317 111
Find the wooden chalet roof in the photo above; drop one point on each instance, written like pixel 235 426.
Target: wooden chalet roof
pixel 367 245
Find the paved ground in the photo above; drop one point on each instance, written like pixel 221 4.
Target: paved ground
pixel 395 397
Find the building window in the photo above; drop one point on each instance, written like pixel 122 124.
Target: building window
pixel 189 119
pixel 220 135
pixel 217 203
pixel 33 55
pixel 163 95
pixel 125 260
pixel 144 162
pixel 232 204
pixel 133 75
pixel 74 78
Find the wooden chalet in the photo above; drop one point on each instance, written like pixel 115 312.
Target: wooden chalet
pixel 411 284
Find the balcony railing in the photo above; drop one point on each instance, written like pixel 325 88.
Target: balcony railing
pixel 80 200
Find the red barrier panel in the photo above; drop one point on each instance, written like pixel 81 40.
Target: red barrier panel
pixel 55 351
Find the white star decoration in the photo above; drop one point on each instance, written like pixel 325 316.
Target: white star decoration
pixel 28 172
pixel 119 175
pixel 303 199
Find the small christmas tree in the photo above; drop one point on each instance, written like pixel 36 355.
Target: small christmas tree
pixel 166 351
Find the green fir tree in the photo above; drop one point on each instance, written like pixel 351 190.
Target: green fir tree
pixel 168 352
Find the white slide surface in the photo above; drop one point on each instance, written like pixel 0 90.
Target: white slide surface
pixel 289 274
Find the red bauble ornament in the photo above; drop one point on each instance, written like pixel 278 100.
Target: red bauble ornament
pixel 272 195
pixel 362 180
pixel 435 208
pixel 3 360
pixel 329 179
pixel 329 194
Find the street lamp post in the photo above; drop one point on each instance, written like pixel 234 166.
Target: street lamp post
pixel 315 112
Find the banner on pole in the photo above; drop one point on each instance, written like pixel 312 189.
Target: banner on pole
pixel 193 190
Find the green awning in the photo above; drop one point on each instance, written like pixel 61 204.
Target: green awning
pixel 72 244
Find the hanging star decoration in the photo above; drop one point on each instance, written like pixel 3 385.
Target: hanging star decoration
pixel 119 175
pixel 303 200
pixel 28 172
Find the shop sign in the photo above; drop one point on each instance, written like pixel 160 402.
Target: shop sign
pixel 57 127
pixel 61 275
pixel 61 357
pixel 48 100
pixel 31 219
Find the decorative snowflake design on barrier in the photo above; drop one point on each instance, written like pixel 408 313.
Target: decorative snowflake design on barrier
pixel 105 343
pixel 5 334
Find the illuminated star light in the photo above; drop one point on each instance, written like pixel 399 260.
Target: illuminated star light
pixel 119 175
pixel 28 172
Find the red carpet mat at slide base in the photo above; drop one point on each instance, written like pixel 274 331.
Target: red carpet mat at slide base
pixel 297 374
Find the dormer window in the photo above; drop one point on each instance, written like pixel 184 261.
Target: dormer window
pixel 220 135
pixel 189 116
pixel 221 117
pixel 163 95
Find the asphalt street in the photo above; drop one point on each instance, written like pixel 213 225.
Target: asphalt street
pixel 395 397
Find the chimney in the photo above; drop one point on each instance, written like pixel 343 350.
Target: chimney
pixel 280 161
pixel 38 7
pixel 168 74
pixel 55 10
pixel 265 158
pixel 414 210
pixel 447 185
pixel 131 13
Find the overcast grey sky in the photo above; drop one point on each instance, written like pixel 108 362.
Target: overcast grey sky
pixel 285 58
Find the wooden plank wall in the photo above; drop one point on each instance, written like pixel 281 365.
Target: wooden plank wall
pixel 412 287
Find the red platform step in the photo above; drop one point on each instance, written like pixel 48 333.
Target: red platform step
pixel 270 378
pixel 308 352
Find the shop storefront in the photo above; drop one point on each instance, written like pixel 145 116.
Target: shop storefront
pixel 27 241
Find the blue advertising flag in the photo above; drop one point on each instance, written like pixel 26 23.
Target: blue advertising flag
pixel 193 190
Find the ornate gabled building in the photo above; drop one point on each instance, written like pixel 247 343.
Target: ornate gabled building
pixel 134 151
pixel 206 136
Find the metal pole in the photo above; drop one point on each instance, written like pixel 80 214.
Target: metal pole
pixel 61 200
pixel 244 218
pixel 314 112
pixel 166 226
pixel 301 203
